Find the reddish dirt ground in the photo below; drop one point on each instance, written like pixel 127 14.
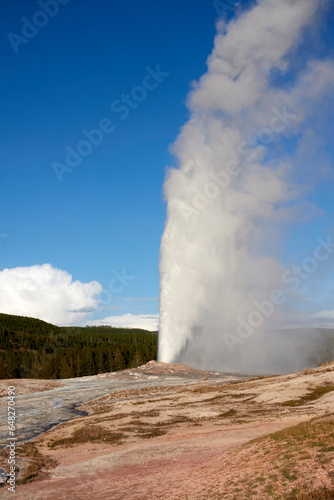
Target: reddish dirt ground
pixel 26 386
pixel 192 443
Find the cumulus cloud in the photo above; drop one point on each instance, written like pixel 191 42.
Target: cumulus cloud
pixel 325 314
pixel 47 293
pixel 144 321
pixel 323 319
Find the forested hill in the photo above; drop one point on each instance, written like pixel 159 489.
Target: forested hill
pixel 31 348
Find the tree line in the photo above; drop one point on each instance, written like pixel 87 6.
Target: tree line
pixel 31 348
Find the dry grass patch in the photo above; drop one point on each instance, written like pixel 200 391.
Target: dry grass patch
pixel 88 434
pixel 316 432
pixel 296 463
pixel 151 413
pixel 151 433
pixel 228 414
pixel 205 389
pixel 32 464
pixel 143 431
pixel 309 494
pixel 313 395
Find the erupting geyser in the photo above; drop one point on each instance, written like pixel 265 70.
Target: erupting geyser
pixel 243 160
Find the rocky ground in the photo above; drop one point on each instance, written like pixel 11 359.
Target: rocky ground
pixel 170 432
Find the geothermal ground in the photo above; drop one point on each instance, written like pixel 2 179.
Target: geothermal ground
pixel 171 432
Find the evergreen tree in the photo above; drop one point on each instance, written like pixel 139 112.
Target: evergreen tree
pixel 30 348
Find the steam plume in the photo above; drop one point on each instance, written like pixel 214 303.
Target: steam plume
pixel 242 157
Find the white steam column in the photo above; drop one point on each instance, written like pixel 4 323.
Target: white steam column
pixel 235 187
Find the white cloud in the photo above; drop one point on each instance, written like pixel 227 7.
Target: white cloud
pixel 323 319
pixel 324 314
pixel 47 293
pixel 144 321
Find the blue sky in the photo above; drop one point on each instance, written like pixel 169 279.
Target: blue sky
pixel 107 215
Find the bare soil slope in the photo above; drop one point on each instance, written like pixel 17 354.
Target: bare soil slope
pixel 207 440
